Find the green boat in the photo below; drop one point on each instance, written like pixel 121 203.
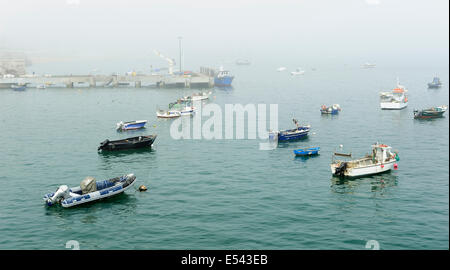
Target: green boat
pixel 434 112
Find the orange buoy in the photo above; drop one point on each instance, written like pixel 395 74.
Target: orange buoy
pixel 142 188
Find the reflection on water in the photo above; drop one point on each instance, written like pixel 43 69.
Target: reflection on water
pixel 109 158
pixel 296 144
pixel 378 183
pixel 304 158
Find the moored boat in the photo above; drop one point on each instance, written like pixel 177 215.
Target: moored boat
pixel 307 151
pixel 368 65
pixel 223 78
pixel 381 159
pixel 168 114
pixel 290 134
pixel 41 86
pixel 397 99
pixel 18 87
pixel 436 83
pixel 129 143
pixel 434 112
pixel 334 109
pixel 131 125
pixel 89 191
pixel 298 71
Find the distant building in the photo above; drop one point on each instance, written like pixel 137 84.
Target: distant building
pixel 13 63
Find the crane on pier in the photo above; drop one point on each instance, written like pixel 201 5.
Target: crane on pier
pixel 169 60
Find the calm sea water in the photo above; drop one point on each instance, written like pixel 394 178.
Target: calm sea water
pixel 228 194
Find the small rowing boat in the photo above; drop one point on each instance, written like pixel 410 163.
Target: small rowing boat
pixel 129 143
pixel 131 125
pixel 307 151
pixel 89 191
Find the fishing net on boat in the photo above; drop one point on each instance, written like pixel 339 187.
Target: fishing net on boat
pixel 88 185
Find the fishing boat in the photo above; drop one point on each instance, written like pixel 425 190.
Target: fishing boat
pixel 18 87
pixel 334 109
pixel 434 112
pixel 298 71
pixel 129 143
pixel 168 114
pixel 397 99
pixel 290 134
pixel 307 151
pixel 89 191
pixel 223 78
pixel 131 125
pixel 436 83
pixel 381 159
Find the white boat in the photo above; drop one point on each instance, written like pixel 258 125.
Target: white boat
pixel 188 110
pixel 122 126
pixel 397 99
pixel 89 190
pixel 369 65
pixel 281 69
pixel 41 86
pixel 168 114
pixel 200 96
pixel 297 72
pixel 381 160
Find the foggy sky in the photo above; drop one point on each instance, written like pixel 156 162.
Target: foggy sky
pixel 122 34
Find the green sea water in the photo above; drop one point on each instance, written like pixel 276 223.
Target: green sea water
pixel 228 194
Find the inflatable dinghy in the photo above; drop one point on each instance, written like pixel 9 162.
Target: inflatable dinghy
pixel 89 190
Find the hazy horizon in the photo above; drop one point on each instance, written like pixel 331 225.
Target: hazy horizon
pixel 79 36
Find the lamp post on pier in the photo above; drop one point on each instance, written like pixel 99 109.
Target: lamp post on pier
pixel 179 43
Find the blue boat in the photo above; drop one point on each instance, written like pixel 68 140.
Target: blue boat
pixel 335 109
pixel 17 87
pixel 290 134
pixel 223 78
pixel 307 151
pixel 436 83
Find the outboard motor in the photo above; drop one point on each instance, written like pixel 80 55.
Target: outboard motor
pixel 61 193
pixel 341 169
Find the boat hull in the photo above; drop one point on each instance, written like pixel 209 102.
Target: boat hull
pixel 290 135
pixel 426 115
pixel 366 170
pixel 393 105
pixel 223 81
pixel 130 143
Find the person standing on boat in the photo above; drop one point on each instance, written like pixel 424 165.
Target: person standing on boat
pixel 295 121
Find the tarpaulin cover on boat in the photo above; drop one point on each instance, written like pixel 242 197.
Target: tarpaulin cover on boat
pixel 88 185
